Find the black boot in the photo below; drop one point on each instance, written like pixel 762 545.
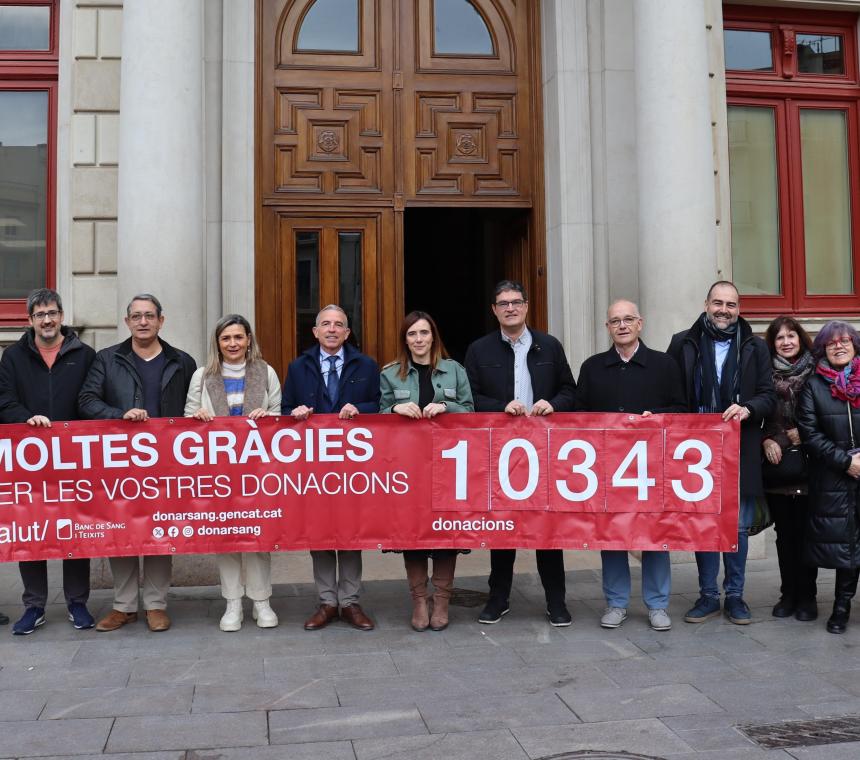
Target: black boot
pixel 846 587
pixel 785 607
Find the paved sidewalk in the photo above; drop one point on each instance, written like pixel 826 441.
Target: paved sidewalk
pixel 520 689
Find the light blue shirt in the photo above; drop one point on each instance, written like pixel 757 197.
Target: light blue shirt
pixel 324 363
pixel 522 379
pixel 721 351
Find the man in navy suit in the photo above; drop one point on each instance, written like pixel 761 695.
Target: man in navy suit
pixel 333 378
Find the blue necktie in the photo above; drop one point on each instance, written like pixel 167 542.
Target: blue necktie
pixel 331 381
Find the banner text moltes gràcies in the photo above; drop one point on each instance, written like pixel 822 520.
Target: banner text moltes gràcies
pixel 580 481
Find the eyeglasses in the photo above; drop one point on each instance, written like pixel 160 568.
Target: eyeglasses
pixel 38 316
pixel 846 341
pixel 149 316
pixel 517 303
pixel 627 321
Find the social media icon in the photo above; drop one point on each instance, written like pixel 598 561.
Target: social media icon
pixel 64 530
pixel 173 531
pixel 188 531
pixel 158 532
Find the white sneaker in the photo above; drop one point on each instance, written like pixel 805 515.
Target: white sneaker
pixel 613 617
pixel 264 615
pixel 660 620
pixel 231 620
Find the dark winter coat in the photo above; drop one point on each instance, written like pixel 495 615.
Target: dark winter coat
pixel 490 367
pixel 756 393
pixel 28 387
pixel 358 383
pixel 113 386
pixel 650 381
pixel 832 535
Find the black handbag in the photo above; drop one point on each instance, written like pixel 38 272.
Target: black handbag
pixel 791 469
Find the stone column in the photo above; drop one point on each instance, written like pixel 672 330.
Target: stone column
pixel 161 234
pixel 677 216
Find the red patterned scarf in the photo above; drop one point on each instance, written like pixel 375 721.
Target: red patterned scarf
pixel 844 384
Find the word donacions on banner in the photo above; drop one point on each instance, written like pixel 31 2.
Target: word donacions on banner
pixel 106 488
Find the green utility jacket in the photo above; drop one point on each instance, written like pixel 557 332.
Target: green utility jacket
pixel 450 385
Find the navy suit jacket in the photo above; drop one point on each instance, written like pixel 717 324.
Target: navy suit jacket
pixel 358 384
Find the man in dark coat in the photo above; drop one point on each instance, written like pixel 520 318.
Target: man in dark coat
pixel 330 378
pixel 139 378
pixel 727 370
pixel 520 371
pixel 40 377
pixel 630 377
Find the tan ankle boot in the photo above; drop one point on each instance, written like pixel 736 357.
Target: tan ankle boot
pixel 416 575
pixel 443 583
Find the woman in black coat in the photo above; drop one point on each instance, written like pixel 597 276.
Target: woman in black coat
pixel 785 476
pixel 828 417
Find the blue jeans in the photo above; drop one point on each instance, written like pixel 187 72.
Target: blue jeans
pixel 656 579
pixel 734 563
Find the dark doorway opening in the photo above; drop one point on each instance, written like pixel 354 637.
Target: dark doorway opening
pixel 452 259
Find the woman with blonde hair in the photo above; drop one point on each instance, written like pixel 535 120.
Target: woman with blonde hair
pixel 421 384
pixel 237 382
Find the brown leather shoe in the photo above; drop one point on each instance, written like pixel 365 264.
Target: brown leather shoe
pixel 115 619
pixel 157 620
pixel 321 618
pixel 355 616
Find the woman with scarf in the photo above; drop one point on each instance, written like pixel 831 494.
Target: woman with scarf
pixel 828 417
pixel 236 382
pixel 785 476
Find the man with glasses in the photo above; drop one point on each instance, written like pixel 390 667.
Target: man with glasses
pixel 142 377
pixel 631 378
pixel 522 372
pixel 727 371
pixel 40 377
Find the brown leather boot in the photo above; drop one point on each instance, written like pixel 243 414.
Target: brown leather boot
pixel 443 583
pixel 416 575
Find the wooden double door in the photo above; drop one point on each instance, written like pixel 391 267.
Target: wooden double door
pixel 366 110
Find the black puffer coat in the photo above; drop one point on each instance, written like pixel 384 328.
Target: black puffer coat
pixel 832 537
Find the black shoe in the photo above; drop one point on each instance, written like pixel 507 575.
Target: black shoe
pixel 493 611
pixel 806 611
pixel 838 621
pixel 784 608
pixel 558 614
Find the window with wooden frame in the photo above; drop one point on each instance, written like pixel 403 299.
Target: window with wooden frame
pixel 794 159
pixel 28 136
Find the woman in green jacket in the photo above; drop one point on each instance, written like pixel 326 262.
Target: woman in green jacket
pixel 423 383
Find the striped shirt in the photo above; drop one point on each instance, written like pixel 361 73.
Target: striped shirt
pixel 234 386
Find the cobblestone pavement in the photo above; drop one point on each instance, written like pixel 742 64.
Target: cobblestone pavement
pixel 518 689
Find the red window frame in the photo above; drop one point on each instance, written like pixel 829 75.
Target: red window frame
pixel 788 92
pixel 29 70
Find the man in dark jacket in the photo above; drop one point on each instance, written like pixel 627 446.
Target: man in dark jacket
pixel 520 371
pixel 727 371
pixel 40 377
pixel 333 378
pixel 139 378
pixel 630 377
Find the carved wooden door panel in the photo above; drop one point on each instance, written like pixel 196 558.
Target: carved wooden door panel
pixel 467 120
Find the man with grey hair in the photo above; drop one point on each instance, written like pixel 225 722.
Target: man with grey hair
pixel 40 377
pixel 333 378
pixel 142 377
pixel 633 379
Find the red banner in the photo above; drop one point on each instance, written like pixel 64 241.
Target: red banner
pixel 575 481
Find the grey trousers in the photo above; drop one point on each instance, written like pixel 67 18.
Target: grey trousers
pixel 257 583
pixel 338 576
pixel 34 576
pixel 126 580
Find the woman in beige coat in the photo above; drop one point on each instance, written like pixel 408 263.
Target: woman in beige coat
pixel 237 382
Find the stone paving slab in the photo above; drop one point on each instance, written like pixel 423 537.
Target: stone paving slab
pixel 14 676
pixel 846 751
pixel 626 703
pixel 648 671
pixel 163 732
pixel 100 702
pixel 777 689
pixel 28 738
pixel 333 723
pixel 313 751
pixel 21 705
pixel 466 713
pixel 329 666
pixel 221 670
pixel 458 659
pixel 477 745
pixel 175 755
pixel 294 693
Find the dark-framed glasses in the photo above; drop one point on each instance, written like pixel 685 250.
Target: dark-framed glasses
pixel 517 303
pixel 38 316
pixel 627 321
